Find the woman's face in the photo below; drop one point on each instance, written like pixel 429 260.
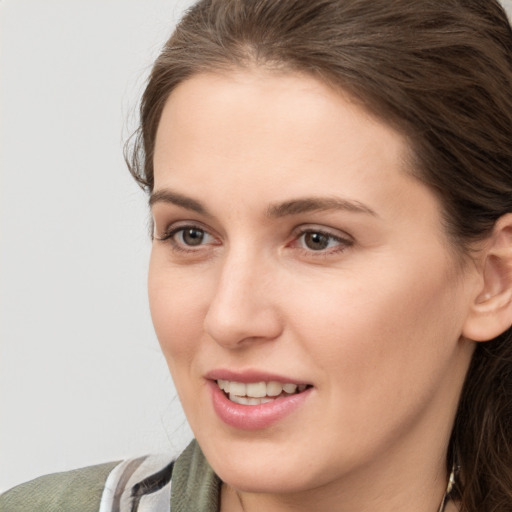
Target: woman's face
pixel 298 265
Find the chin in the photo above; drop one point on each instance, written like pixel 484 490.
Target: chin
pixel 260 465
pixel 264 480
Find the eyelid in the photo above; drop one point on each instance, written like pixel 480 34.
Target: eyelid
pixel 344 239
pixel 173 227
pixel 178 248
pixel 316 228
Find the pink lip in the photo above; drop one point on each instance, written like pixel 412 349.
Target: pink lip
pixel 252 417
pixel 248 376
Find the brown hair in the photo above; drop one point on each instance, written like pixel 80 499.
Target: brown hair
pixel 440 71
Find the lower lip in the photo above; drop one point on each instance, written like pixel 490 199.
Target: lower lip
pixel 254 417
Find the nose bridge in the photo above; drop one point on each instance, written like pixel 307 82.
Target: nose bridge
pixel 242 306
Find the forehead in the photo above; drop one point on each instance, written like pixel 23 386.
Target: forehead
pixel 242 143
pixel 256 119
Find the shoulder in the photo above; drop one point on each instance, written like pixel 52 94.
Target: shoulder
pixel 141 484
pixel 79 490
pixel 116 486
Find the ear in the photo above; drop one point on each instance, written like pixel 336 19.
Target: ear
pixel 491 310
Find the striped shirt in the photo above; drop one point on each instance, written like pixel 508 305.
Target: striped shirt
pixel 154 483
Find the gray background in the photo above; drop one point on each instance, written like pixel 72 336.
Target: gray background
pixel 82 380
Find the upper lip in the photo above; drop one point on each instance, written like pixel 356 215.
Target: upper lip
pixel 250 375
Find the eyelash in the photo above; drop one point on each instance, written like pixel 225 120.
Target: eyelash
pixel 344 243
pixel 169 235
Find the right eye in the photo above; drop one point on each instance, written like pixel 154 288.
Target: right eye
pixel 187 238
pixel 191 236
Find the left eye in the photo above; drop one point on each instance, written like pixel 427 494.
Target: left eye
pixel 320 241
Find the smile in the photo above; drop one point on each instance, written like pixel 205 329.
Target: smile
pixel 257 393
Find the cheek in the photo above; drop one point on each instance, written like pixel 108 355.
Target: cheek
pixel 386 349
pixel 176 312
pixel 390 323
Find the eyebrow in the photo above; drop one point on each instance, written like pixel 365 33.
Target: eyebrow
pixel 316 204
pixel 168 196
pixel 291 207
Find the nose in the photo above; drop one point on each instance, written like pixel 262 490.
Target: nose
pixel 243 308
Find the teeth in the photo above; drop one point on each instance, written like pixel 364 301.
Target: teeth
pixel 290 388
pixel 257 389
pixel 248 401
pixel 256 393
pixel 274 388
pixel 237 388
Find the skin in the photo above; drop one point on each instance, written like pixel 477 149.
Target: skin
pixel 373 321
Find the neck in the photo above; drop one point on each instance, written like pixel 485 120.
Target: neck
pixel 419 497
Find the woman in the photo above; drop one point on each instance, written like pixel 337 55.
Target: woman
pixel 331 275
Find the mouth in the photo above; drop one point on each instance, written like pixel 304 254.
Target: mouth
pixel 257 393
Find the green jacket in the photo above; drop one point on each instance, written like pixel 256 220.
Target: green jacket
pixel 145 484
